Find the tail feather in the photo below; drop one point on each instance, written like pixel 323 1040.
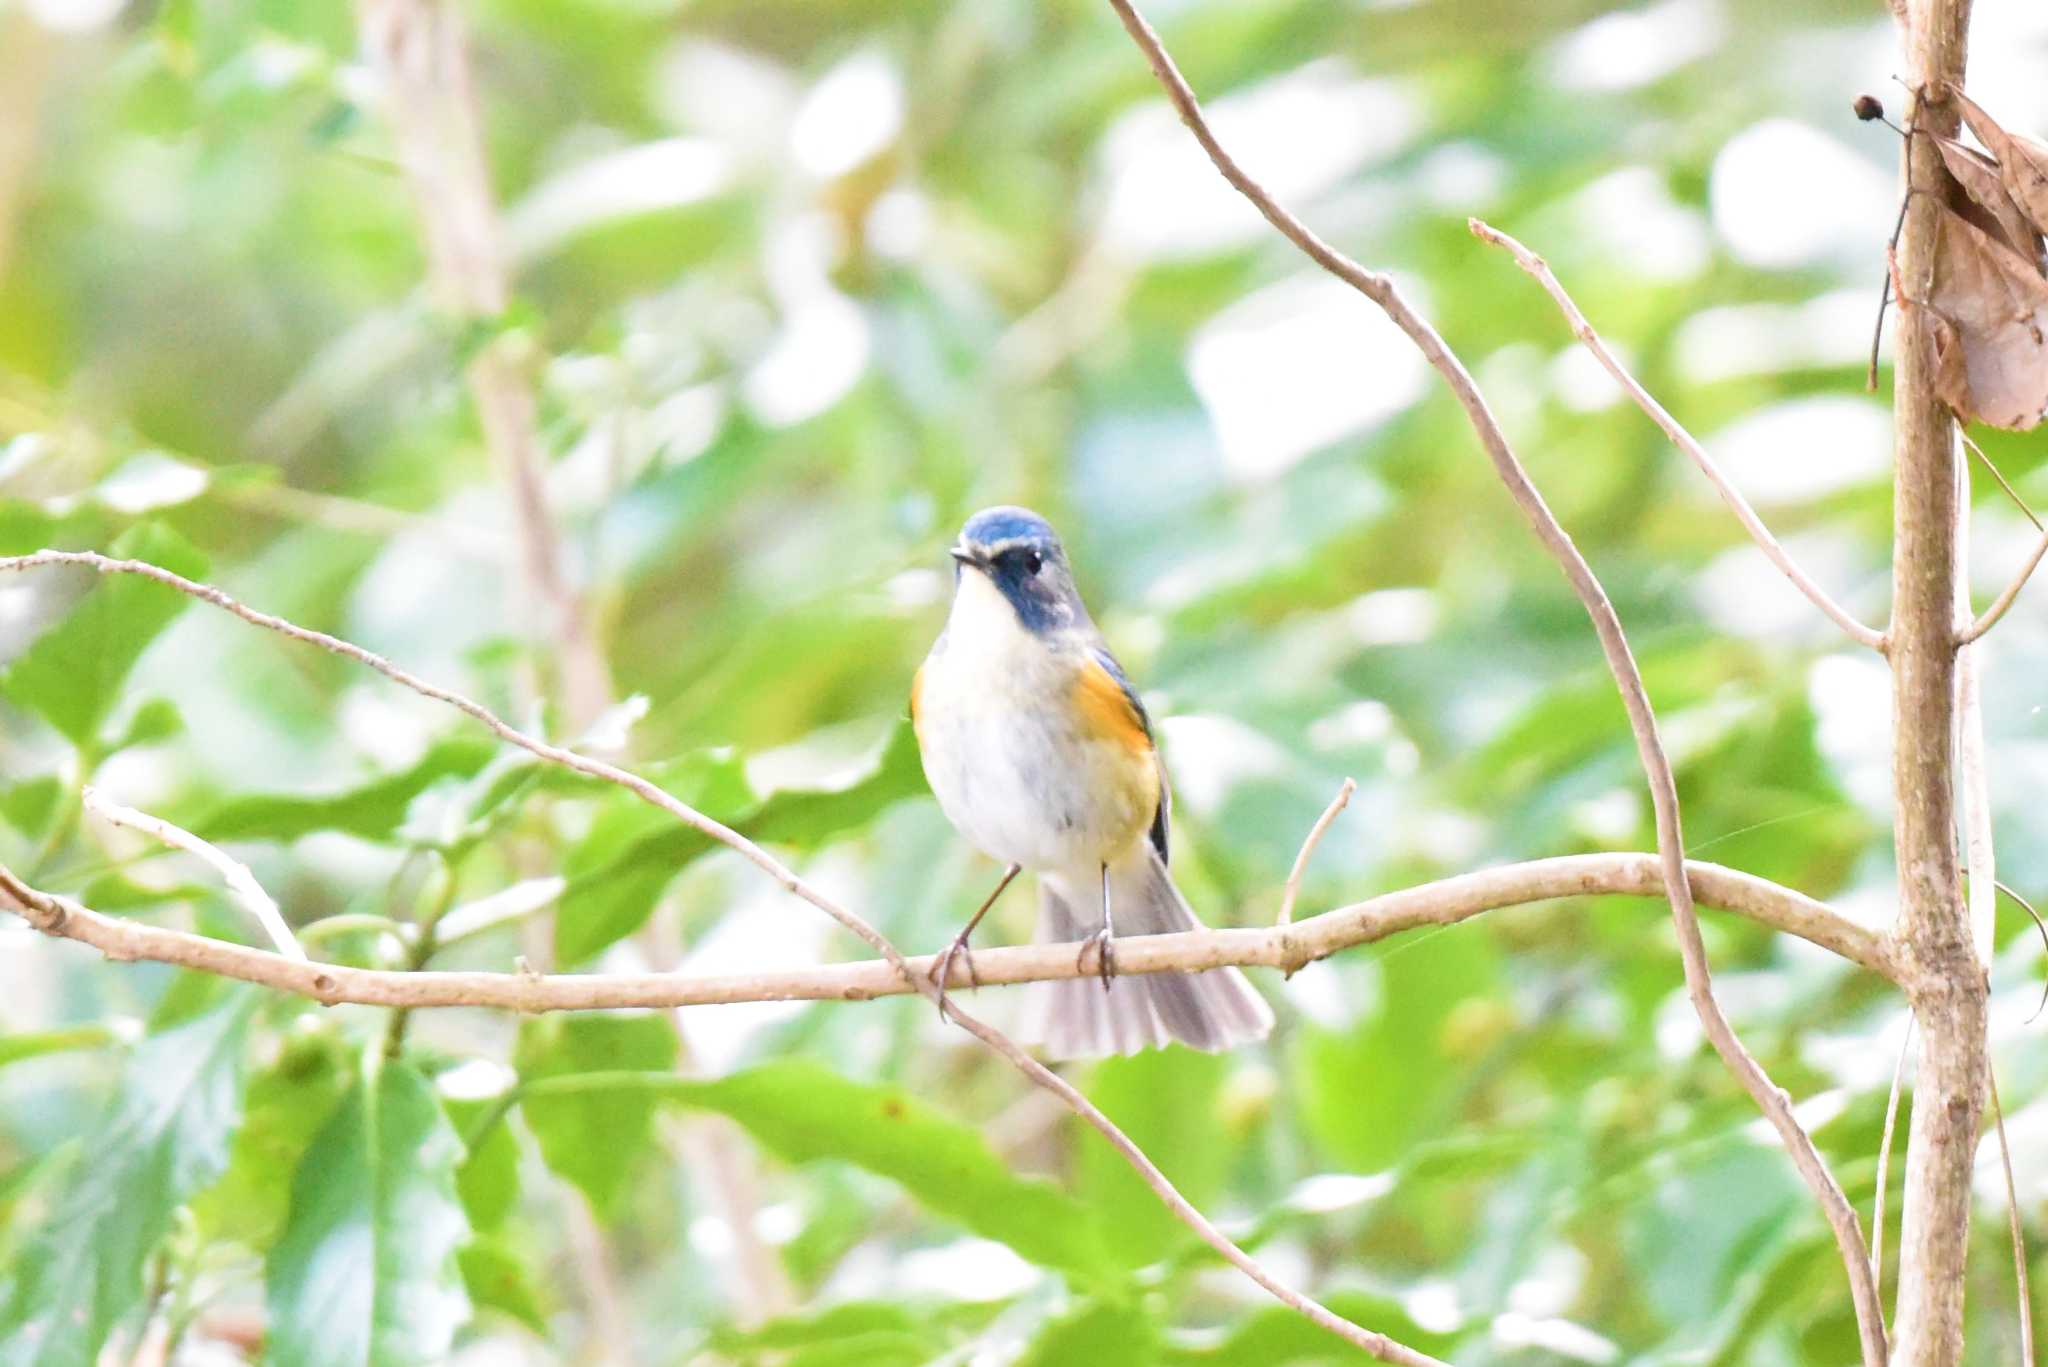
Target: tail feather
pixel 1076 1018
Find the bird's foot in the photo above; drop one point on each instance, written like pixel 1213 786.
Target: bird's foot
pixel 1104 945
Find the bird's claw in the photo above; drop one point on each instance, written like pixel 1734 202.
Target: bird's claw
pixel 1104 945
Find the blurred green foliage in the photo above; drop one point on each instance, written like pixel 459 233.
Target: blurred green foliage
pixel 799 286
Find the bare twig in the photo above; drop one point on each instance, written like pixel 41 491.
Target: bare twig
pixel 1308 847
pixel 421 55
pixel 242 883
pixel 554 754
pixel 1379 288
pixel 1682 439
pixel 2019 1238
pixel 525 898
pixel 1999 475
pixel 59 917
pixel 1972 778
pixel 420 51
pixel 1884 295
pixel 1284 947
pixel 1946 982
pixel 2042 927
pixel 2004 600
pixel 1884 1156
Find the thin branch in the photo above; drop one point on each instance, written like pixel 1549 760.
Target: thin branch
pixel 1884 295
pixel 1884 1156
pixel 1682 439
pixel 2004 600
pixel 421 55
pixel 2039 925
pixel 247 891
pixel 1288 948
pixel 515 903
pixel 2019 1238
pixel 642 788
pixel 1308 847
pixel 58 917
pixel 1946 983
pixel 1973 783
pixel 1999 475
pixel 1379 288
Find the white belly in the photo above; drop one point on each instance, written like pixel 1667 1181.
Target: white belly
pixel 1005 755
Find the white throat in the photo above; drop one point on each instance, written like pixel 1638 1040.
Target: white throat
pixel 983 624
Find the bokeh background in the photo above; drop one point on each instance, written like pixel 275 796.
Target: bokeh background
pixel 801 285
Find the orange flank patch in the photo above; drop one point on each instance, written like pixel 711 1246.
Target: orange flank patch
pixel 916 687
pixel 1107 712
pixel 1131 782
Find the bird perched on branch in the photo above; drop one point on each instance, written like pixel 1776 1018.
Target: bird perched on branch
pixel 1042 756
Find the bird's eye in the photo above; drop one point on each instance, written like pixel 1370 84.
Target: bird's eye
pixel 1033 562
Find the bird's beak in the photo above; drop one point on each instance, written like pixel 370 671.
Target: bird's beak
pixel 969 555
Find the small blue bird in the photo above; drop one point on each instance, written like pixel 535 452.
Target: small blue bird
pixel 1042 756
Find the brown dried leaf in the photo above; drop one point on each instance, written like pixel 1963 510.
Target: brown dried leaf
pixel 1991 332
pixel 2001 217
pixel 2022 162
pixel 1951 380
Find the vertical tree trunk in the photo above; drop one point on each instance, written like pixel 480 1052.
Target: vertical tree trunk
pixel 1944 977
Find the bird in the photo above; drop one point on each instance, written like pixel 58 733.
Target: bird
pixel 1042 756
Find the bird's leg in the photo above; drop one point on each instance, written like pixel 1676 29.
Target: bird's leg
pixel 1102 941
pixel 942 971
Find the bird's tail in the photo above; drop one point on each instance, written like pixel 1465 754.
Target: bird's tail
pixel 1075 1018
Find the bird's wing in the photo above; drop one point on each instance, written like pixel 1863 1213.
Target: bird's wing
pixel 1135 717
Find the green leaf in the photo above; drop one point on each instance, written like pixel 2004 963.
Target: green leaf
pixel 27 806
pixel 488 1180
pixel 156 720
pixel 286 1105
pixel 164 1137
pixel 372 811
pixel 887 1331
pixel 617 874
pixel 618 870
pixel 36 1043
pixel 808 817
pixel 1275 1335
pixel 1168 1102
pixel 497 1277
pixel 595 1138
pixel 73 673
pixel 803 1113
pixel 1366 1092
pixel 24 526
pixel 190 995
pixel 1122 1334
pixel 851 1319
pixel 880 1349
pixel 24 1182
pixel 365 1272
pixel 113 891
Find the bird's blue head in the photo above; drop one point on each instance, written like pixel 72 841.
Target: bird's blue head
pixel 1020 554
